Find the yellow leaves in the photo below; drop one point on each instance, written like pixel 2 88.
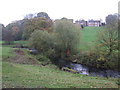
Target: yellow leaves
pixel 100 45
pixel 37 24
pixel 101 58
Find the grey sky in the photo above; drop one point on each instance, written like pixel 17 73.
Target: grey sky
pixel 12 10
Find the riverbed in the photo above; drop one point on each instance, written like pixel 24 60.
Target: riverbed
pixel 85 70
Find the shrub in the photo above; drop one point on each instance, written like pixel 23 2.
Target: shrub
pixel 41 40
pixel 43 59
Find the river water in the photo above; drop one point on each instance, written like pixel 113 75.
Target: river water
pixel 82 69
pixel 94 72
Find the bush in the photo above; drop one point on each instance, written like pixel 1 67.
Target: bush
pixel 43 59
pixel 118 82
pixel 41 40
pixel 99 59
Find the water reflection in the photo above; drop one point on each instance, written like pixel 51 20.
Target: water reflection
pixel 93 71
pixel 81 69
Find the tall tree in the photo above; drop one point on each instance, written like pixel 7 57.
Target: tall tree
pixel 108 43
pixel 38 23
pixel 29 16
pixel 1 30
pixel 43 14
pixel 68 37
pixel 111 19
pixel 16 29
pixel 7 36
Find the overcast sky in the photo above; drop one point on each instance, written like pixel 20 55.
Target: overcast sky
pixel 12 10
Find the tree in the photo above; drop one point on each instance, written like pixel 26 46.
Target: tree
pixel 43 14
pixel 19 26
pixel 112 30
pixel 16 29
pixel 110 19
pixel 38 23
pixel 109 37
pixel 68 37
pixel 108 43
pixel 29 16
pixel 40 40
pixel 1 30
pixel 7 36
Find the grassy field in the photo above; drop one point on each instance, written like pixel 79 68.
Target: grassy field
pixel 0 51
pixel 6 51
pixel 31 76
pixel 1 42
pixel 19 75
pixel 21 42
pixel 89 37
pixel 15 42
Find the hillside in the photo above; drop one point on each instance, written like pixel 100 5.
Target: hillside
pixel 30 75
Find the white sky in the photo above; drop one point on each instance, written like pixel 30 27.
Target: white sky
pixel 11 10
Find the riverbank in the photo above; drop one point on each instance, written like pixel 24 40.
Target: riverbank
pixel 30 76
pixel 24 75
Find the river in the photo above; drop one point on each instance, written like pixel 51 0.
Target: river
pixel 82 69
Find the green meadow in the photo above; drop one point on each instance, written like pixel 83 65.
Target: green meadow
pixel 30 76
pixel 7 52
pixel 89 37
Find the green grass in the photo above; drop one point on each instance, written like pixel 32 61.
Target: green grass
pixel 89 37
pixel 1 42
pixel 29 76
pixel 0 51
pixel 21 42
pixel 17 42
pixel 6 52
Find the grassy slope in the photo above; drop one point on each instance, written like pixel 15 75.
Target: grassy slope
pixel 18 75
pixel 21 42
pixel 89 37
pixel 1 42
pixel 0 51
pixel 6 52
